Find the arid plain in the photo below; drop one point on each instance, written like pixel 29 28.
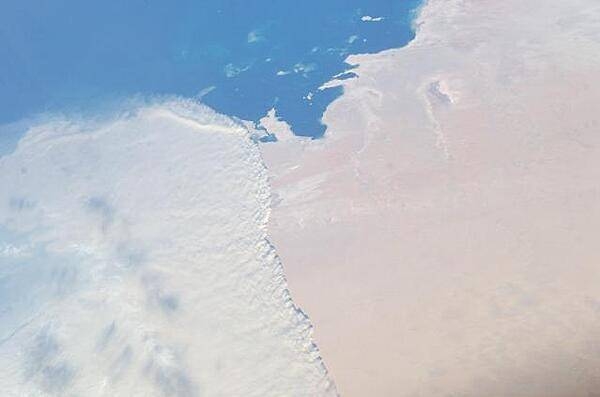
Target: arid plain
pixel 443 236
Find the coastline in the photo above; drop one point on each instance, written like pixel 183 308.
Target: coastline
pixel 441 235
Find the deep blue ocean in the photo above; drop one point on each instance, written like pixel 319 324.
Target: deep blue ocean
pixel 240 57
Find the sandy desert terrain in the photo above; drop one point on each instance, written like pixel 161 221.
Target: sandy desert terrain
pixel 443 236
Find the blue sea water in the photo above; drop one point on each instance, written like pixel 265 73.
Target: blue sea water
pixel 240 57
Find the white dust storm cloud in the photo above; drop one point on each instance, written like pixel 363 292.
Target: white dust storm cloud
pixel 143 266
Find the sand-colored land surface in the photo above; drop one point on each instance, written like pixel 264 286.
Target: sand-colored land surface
pixel 444 237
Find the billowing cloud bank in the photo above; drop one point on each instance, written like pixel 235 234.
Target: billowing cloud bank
pixel 134 262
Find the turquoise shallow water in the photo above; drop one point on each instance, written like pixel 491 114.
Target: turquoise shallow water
pixel 242 58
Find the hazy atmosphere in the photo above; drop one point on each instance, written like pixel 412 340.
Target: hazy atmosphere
pixel 365 198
